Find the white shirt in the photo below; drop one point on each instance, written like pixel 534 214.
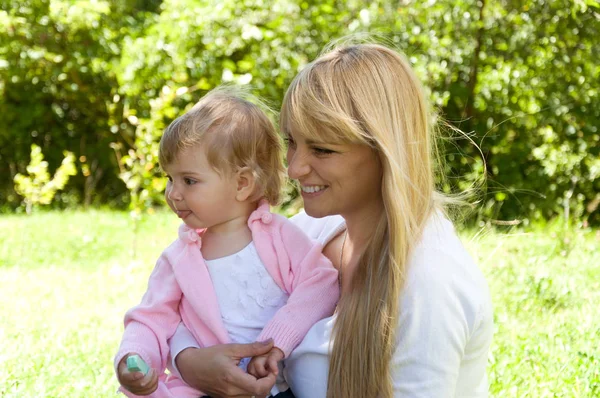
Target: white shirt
pixel 444 330
pixel 248 298
pixel 445 325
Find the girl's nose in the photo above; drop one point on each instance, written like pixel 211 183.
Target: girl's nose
pixel 172 193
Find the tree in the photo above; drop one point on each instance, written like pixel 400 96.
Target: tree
pixel 102 79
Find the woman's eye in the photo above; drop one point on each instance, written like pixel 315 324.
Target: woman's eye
pixel 322 151
pixel 189 181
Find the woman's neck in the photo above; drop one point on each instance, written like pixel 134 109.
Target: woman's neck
pixel 360 227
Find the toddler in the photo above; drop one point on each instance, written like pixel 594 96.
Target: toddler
pixel 237 272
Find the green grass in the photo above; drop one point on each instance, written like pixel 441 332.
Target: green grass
pixel 66 280
pixel 545 287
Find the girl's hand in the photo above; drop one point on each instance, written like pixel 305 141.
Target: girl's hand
pixel 260 366
pixel 214 371
pixel 136 382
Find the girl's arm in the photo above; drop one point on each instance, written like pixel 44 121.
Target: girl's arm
pixel 149 324
pixel 312 283
pixel 181 340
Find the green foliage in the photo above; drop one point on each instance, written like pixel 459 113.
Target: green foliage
pixel 520 78
pixel 37 188
pixel 57 80
pixel 102 79
pixel 139 165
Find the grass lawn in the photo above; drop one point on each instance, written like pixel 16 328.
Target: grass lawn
pixel 66 280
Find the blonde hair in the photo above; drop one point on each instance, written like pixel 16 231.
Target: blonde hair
pixel 236 134
pixel 368 93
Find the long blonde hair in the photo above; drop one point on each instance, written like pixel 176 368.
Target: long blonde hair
pixel 368 93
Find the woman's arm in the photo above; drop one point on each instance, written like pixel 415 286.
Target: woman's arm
pixel 444 329
pixel 214 370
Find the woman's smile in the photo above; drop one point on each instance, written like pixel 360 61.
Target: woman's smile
pixel 311 191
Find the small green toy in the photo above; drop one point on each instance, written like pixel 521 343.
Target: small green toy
pixel 136 364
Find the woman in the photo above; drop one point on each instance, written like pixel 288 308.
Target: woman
pixel 415 317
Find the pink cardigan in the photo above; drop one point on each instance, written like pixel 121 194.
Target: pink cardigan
pixel 180 289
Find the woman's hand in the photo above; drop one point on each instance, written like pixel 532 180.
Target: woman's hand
pixel 214 371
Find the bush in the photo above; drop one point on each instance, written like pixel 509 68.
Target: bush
pixel 102 79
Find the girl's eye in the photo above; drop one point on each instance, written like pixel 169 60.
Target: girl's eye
pixel 189 181
pixel 169 178
pixel 289 142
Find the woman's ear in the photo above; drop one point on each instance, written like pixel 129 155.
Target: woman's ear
pixel 245 184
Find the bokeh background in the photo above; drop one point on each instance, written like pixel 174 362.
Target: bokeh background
pixel 87 87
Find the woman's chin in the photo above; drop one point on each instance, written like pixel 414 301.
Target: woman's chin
pixel 316 212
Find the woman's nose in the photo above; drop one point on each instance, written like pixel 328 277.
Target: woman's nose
pixel 298 166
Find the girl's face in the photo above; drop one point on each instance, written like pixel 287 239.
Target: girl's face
pixel 334 178
pixel 199 195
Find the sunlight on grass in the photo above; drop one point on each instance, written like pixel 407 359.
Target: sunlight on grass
pixel 545 286
pixel 67 279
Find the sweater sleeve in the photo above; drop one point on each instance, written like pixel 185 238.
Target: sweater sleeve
pixel 442 309
pixel 312 282
pixel 149 325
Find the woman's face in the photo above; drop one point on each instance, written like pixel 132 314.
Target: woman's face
pixel 334 178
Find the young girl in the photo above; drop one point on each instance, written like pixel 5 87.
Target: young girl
pixel 237 273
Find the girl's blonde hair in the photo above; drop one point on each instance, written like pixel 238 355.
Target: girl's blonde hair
pixel 235 133
pixel 368 93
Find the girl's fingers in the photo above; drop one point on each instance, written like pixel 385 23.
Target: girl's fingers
pixel 257 368
pixel 146 385
pixel 263 371
pixel 134 376
pixel 272 365
pixel 252 369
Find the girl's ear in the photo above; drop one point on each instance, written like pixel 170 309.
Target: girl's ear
pixel 245 184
